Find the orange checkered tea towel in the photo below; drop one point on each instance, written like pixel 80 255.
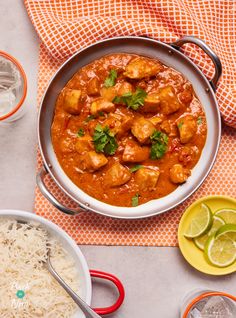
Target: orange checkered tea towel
pixel 91 228
pixel 65 26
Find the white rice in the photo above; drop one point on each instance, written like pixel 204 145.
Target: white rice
pixel 23 250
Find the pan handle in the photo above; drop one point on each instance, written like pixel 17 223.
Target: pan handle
pixel 48 195
pixel 120 287
pixel 215 59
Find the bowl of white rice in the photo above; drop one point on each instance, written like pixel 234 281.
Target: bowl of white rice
pixel 27 289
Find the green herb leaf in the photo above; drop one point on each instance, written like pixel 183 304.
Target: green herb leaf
pixel 159 136
pixel 133 101
pixel 135 199
pixel 159 144
pixel 157 151
pixel 89 118
pixel 80 132
pixel 135 168
pixel 199 120
pixel 104 140
pixel 111 79
pixel 180 124
pixel 118 99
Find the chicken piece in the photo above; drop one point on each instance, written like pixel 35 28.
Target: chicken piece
pixel 142 129
pixel 146 179
pixel 166 127
pixel 155 120
pixel 169 127
pixel 84 144
pixel 141 67
pixel 67 145
pixel 135 153
pixel 101 105
pixel 73 101
pixel 113 122
pixel 92 161
pixel 151 103
pixel 186 96
pixel 179 174
pixel 126 125
pixel 187 126
pixel 108 93
pixel 116 175
pixel 124 88
pixel 118 124
pixel 168 100
pixel 93 86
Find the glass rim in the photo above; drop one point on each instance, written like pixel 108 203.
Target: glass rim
pixel 23 75
pixel 202 296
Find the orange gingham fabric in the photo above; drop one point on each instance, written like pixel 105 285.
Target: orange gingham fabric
pixel 65 26
pixel 90 228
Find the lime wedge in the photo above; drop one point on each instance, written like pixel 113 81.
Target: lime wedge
pixel 220 248
pixel 201 240
pixel 228 215
pixel 200 223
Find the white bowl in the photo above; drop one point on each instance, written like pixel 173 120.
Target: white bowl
pixel 68 244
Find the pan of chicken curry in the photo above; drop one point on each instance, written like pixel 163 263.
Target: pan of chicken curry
pixel 129 127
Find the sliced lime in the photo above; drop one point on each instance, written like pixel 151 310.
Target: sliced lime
pixel 201 240
pixel 220 248
pixel 200 223
pixel 228 215
pixel 227 231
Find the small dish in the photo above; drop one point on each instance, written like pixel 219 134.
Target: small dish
pixel 80 263
pixel 13 89
pixel 193 255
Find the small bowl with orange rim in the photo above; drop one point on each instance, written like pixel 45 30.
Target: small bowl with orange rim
pixel 13 89
pixel 208 303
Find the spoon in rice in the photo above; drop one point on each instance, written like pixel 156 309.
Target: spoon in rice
pixel 86 309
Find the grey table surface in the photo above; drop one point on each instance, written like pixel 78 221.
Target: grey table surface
pixel 155 279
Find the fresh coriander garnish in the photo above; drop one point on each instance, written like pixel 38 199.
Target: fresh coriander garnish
pixel 80 132
pixel 104 140
pixel 199 120
pixel 135 168
pixel 135 200
pixel 159 144
pixel 111 79
pixel 131 100
pixel 180 124
pixel 89 118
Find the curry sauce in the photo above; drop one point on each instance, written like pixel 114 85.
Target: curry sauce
pixel 128 129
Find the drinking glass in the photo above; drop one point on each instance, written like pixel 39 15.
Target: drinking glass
pixel 13 89
pixel 208 303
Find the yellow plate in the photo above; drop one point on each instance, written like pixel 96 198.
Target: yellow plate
pixel 193 255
